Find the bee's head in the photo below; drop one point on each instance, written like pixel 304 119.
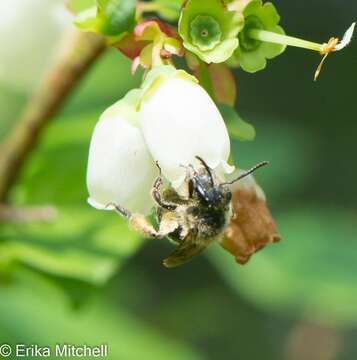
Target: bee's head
pixel 210 194
pixel 217 197
pixel 205 188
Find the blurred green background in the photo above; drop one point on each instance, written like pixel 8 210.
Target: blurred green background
pixel 86 278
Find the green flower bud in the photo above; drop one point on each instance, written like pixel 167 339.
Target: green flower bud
pixel 252 54
pixel 111 18
pixel 210 30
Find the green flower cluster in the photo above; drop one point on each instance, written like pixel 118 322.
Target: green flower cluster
pixel 243 33
pixel 218 31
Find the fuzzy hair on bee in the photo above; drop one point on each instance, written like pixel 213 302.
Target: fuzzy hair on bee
pixel 193 220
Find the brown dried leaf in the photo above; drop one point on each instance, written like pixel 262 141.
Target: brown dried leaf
pixel 253 226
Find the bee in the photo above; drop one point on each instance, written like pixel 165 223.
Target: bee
pixel 192 221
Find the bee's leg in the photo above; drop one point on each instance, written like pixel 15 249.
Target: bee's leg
pixel 140 223
pixel 126 214
pixel 191 173
pixel 156 194
pixel 137 222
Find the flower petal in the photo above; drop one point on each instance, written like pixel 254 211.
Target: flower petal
pixel 120 168
pixel 179 122
pixel 251 61
pixel 347 37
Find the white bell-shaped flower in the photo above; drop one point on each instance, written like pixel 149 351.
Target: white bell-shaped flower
pixel 171 120
pixel 180 121
pixel 120 167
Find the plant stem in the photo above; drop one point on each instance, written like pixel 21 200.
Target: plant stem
pixel 268 36
pixel 81 52
pixel 27 215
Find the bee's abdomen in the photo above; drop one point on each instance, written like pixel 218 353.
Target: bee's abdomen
pixel 213 219
pixel 212 223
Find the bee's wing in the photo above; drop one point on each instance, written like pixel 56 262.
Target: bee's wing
pixel 189 248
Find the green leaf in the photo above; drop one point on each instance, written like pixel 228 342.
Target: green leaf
pixel 115 16
pixel 81 243
pixel 237 128
pixel 33 310
pixel 311 273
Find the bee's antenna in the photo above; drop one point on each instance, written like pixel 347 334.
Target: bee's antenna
pixel 245 174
